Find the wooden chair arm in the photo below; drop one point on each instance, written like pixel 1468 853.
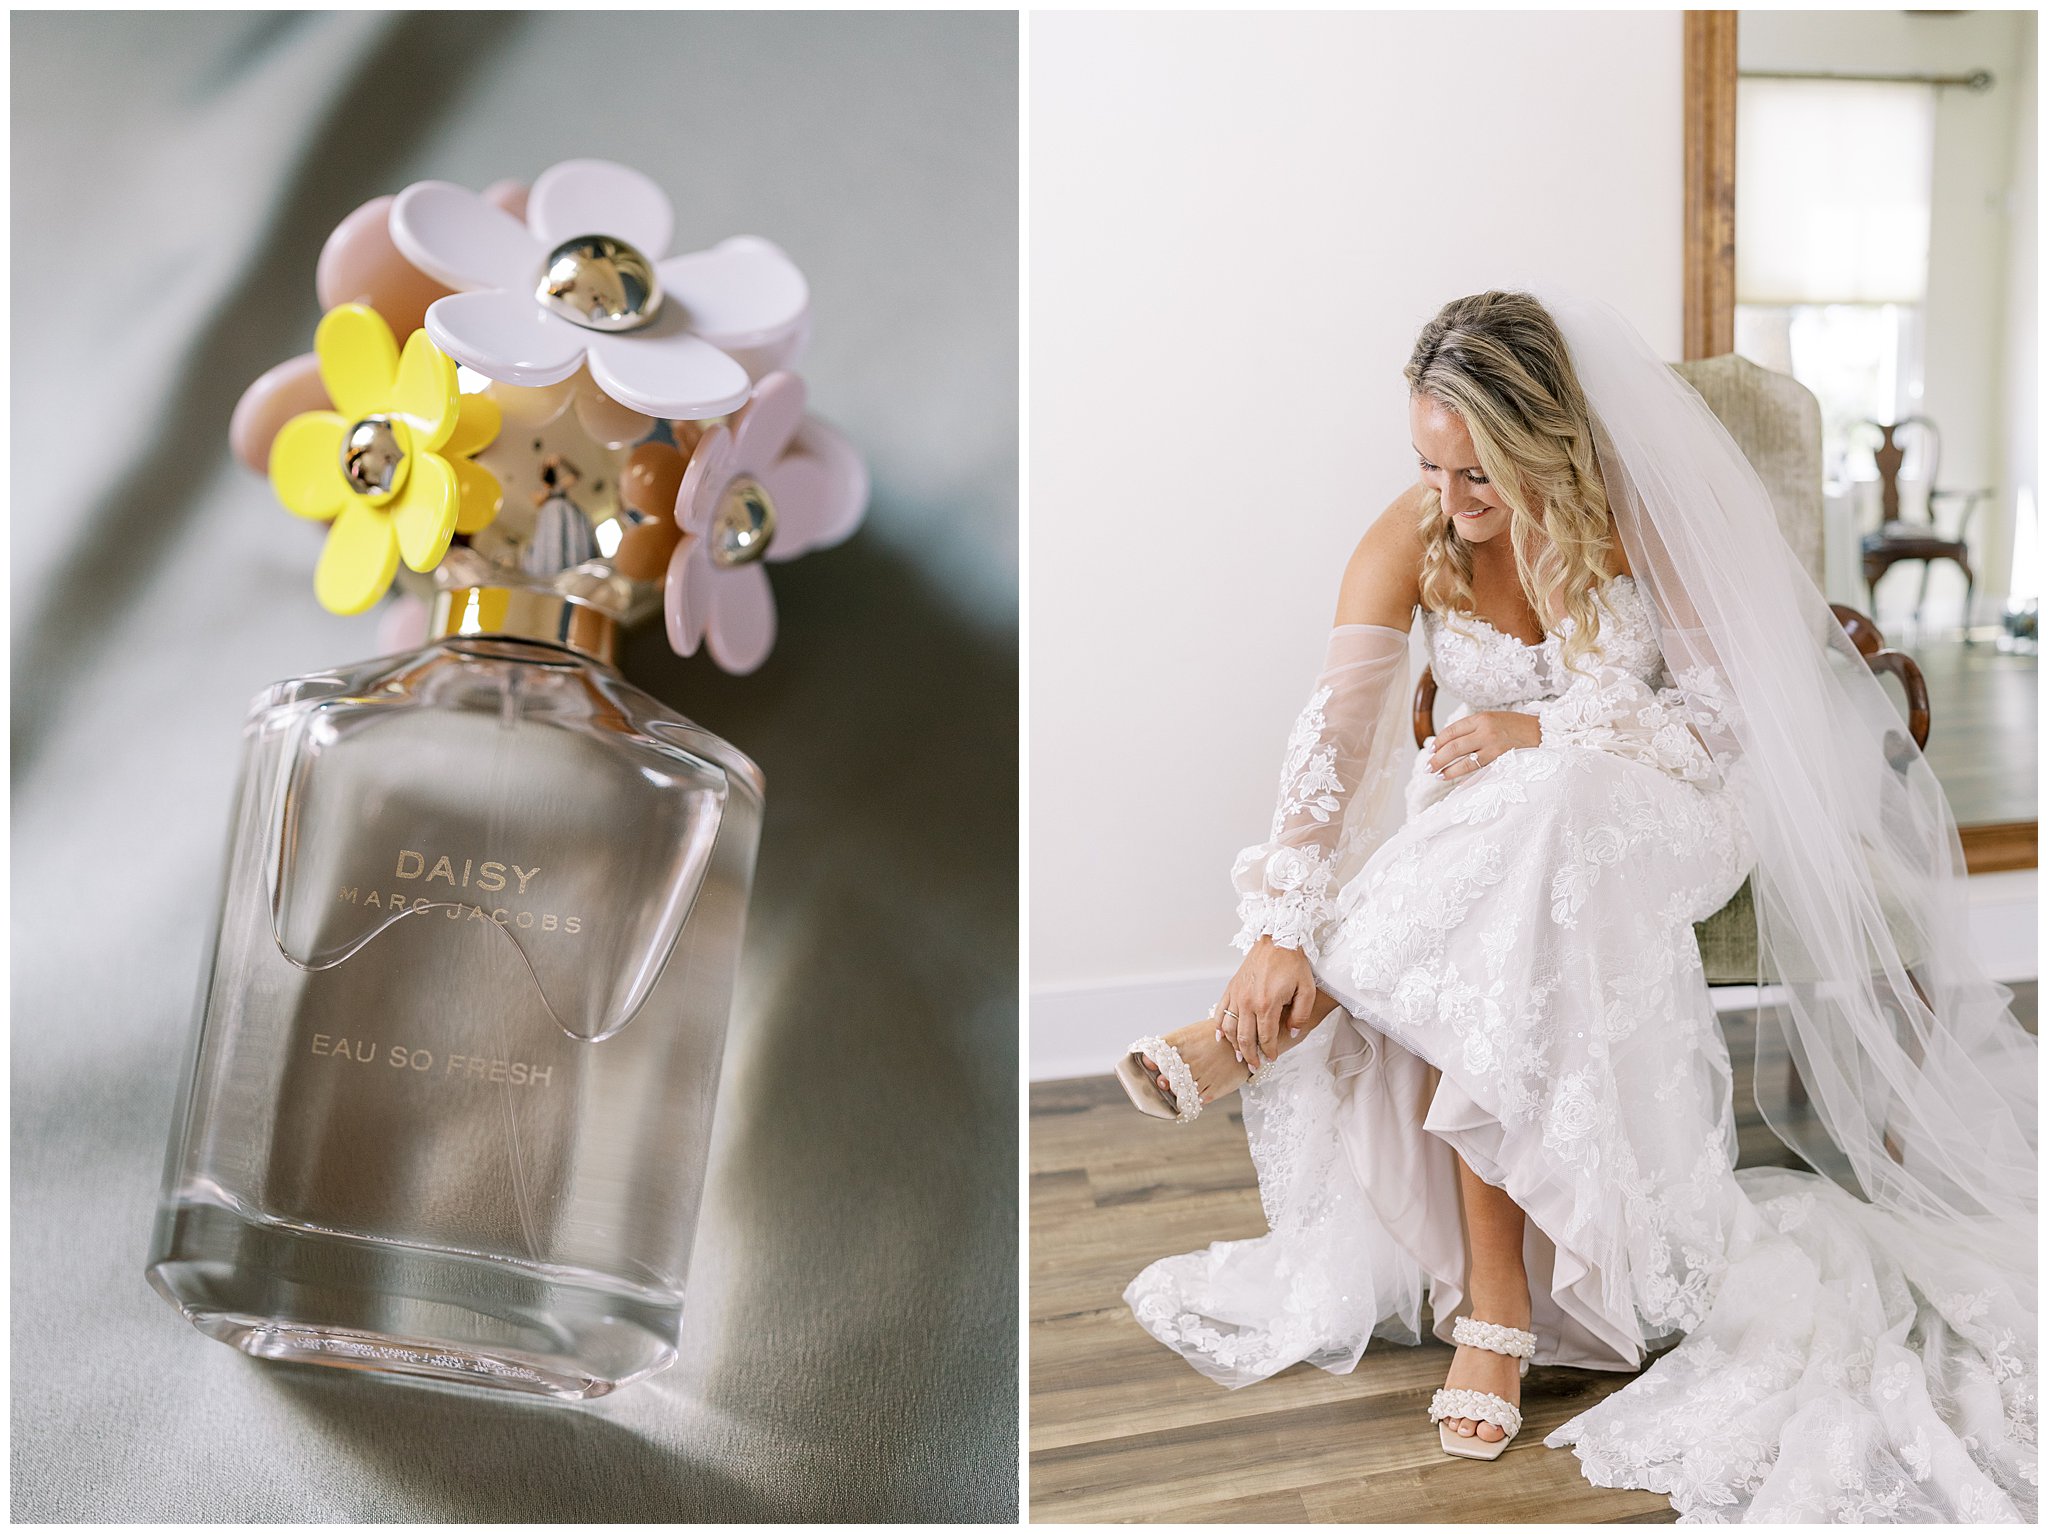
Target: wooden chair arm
pixel 1425 706
pixel 1869 641
pixel 1863 634
pixel 1919 717
pixel 1971 500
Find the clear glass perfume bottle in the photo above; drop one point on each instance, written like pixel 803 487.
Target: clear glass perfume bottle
pixel 459 1039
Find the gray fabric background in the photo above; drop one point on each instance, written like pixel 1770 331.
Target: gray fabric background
pixel 851 1350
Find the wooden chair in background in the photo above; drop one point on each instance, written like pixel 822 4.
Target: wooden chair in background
pixel 1900 539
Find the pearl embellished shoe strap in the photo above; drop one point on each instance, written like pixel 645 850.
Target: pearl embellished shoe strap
pixel 1511 1340
pixel 1187 1097
pixel 1479 1405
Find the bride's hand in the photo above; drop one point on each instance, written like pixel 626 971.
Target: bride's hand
pixel 1468 744
pixel 1273 989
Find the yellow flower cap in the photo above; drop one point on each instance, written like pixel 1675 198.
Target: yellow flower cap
pixel 390 467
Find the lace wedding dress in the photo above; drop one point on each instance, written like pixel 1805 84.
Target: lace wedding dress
pixel 1513 957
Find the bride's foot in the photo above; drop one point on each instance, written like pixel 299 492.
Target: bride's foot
pixel 1498 1374
pixel 1199 1065
pixel 1217 1069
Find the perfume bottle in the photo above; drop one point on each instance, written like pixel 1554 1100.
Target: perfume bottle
pixel 459 1041
pixel 458 1044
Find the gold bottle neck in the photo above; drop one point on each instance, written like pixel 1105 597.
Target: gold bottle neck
pixel 515 612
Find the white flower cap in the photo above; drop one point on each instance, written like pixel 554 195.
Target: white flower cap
pixel 742 296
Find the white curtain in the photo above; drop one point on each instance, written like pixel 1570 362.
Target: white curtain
pixel 1833 189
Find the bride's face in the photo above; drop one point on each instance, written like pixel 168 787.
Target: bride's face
pixel 1450 467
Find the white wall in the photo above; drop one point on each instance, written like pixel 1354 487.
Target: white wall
pixel 1237 225
pixel 1983 193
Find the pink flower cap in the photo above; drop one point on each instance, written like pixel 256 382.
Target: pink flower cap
pixel 291 388
pixel 816 489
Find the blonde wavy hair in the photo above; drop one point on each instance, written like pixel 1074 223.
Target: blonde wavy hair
pixel 1498 360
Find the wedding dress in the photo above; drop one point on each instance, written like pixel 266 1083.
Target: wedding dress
pixel 1518 982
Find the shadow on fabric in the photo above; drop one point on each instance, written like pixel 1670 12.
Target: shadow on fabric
pixel 355 153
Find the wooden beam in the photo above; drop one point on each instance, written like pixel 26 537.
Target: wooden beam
pixel 1709 183
pixel 1994 848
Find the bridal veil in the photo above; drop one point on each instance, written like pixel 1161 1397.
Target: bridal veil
pixel 1919 1084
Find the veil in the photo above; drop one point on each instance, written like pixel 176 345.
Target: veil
pixel 1919 1084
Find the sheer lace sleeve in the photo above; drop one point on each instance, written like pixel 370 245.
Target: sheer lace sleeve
pixel 1670 726
pixel 1338 787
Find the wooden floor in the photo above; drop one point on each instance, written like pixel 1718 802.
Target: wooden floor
pixel 1984 740
pixel 1122 1430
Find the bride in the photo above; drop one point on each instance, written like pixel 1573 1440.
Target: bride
pixel 1476 1050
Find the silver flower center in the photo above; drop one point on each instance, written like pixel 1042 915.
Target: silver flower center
pixel 372 458
pixel 600 283
pixel 743 526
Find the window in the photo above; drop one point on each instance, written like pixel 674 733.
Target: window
pixel 1833 213
pixel 1863 363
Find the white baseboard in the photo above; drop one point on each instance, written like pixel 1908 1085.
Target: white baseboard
pixel 2005 922
pixel 1076 1030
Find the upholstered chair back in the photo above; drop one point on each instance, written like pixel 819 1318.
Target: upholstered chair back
pixel 1775 420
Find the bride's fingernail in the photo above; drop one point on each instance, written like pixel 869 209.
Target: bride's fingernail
pixel 1240 1058
pixel 1294 1033
pixel 1219 1035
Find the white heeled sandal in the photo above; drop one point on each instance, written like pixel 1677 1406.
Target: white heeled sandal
pixel 1142 1088
pixel 1482 1405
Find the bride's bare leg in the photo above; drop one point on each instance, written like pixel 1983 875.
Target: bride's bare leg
pixel 1218 1071
pixel 1499 1287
